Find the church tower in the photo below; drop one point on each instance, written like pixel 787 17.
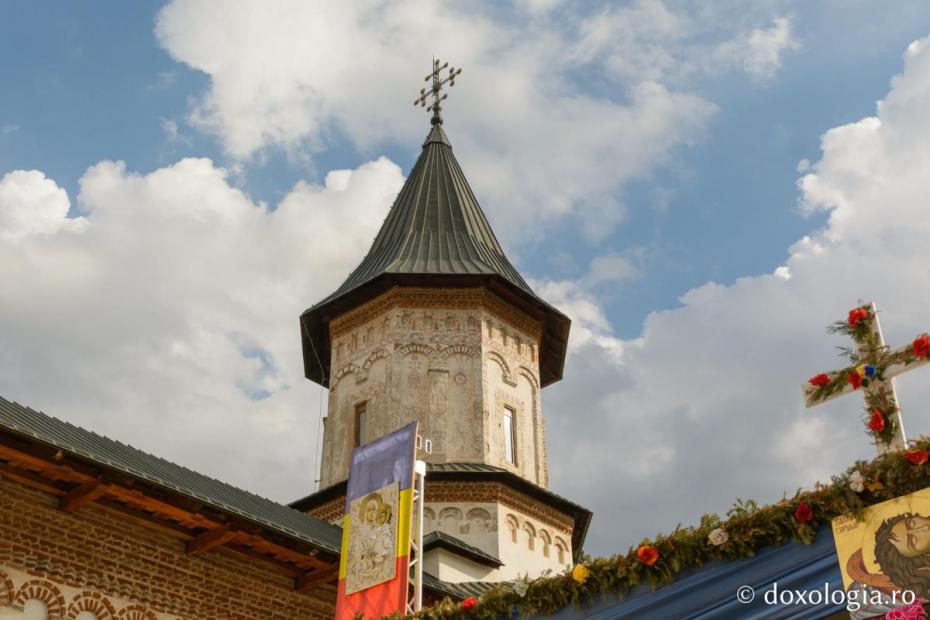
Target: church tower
pixel 436 325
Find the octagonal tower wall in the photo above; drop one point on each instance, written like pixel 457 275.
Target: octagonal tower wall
pixel 453 359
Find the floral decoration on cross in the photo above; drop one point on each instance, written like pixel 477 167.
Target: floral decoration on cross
pixel 872 368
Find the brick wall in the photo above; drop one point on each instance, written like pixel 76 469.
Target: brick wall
pixel 331 511
pixel 137 568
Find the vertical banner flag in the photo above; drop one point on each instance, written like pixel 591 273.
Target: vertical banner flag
pixel 374 568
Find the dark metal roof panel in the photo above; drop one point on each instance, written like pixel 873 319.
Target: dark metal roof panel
pixel 457 545
pixel 462 590
pixel 463 467
pixel 113 454
pixel 434 227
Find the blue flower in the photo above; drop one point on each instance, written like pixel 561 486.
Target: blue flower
pixel 869 370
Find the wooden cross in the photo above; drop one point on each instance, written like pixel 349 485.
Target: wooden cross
pixel 438 82
pixel 873 371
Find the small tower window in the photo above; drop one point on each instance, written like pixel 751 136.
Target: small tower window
pixel 361 420
pixel 509 453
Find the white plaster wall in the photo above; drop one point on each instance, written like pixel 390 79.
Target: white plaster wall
pixel 518 558
pixel 453 568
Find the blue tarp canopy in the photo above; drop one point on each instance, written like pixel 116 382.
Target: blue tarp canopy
pixel 711 590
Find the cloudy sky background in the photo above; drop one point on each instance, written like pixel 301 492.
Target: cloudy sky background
pixel 701 189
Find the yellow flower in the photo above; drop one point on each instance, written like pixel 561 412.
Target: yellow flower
pixel 580 573
pixel 860 370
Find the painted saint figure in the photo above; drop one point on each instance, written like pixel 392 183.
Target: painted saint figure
pixel 372 540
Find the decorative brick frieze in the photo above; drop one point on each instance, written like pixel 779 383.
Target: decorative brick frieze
pixel 135 612
pixel 6 589
pixel 108 555
pixel 91 601
pixel 443 491
pixel 45 591
pixel 331 511
pixel 434 298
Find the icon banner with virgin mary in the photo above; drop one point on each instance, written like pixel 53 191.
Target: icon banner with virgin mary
pixel 374 566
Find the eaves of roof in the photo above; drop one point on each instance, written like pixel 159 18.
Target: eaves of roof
pixel 110 454
pixel 460 547
pixel 479 472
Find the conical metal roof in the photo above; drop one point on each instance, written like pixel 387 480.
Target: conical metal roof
pixel 434 235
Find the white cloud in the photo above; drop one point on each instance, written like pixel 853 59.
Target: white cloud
pixel 612 268
pixel 765 48
pixel 705 406
pixel 170 322
pixel 31 204
pixel 173 133
pixel 664 41
pixel 640 41
pixel 759 53
pixel 299 75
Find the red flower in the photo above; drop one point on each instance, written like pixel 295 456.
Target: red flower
pixel 855 379
pixel 918 457
pixel 922 346
pixel 804 514
pixel 877 421
pixel 470 602
pixel 856 315
pixel 819 380
pixel 647 554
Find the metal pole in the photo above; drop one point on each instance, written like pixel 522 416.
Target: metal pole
pixel 420 471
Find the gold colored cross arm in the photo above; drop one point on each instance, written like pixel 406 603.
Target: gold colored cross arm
pixel 438 81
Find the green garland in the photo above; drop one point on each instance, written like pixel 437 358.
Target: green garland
pixel 748 528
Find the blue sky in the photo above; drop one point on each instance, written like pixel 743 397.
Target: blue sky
pixel 86 84
pixel 632 155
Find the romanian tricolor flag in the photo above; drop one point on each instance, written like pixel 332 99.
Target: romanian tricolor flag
pixel 374 568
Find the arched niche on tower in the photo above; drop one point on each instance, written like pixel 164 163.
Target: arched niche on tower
pixel 458 419
pixel 562 553
pixel 450 520
pixel 478 521
pixel 545 541
pixel 413 380
pixel 513 527
pixel 429 520
pixel 531 432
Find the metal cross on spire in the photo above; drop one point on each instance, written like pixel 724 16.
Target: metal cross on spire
pixel 874 367
pixel 438 81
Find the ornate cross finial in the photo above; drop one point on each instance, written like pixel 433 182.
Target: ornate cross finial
pixel 438 82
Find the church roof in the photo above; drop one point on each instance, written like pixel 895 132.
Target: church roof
pixel 435 234
pixel 112 454
pixel 460 547
pixel 477 472
pixel 435 226
pixel 21 426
